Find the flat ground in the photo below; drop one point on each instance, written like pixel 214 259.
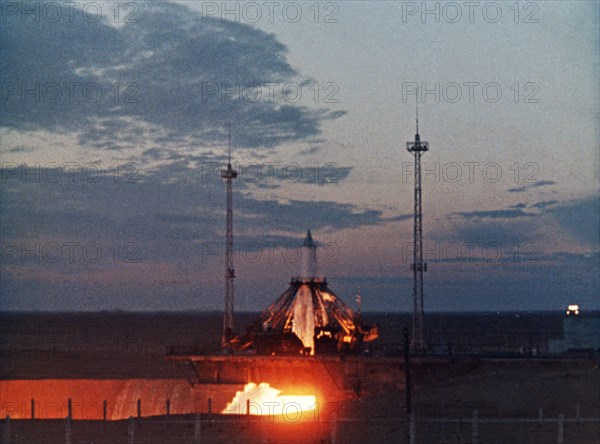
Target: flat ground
pixel 499 390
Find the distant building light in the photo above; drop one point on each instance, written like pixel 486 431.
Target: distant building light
pixel 573 309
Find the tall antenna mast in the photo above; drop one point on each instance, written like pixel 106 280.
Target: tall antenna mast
pixel 228 326
pixel 417 109
pixel 229 143
pixel 418 266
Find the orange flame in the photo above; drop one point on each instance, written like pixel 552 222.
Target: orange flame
pixel 266 400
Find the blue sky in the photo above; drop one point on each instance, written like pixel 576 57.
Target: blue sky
pixel 114 129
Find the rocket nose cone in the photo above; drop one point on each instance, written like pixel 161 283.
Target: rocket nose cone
pixel 308 240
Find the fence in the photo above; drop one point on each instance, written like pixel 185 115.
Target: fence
pixel 204 428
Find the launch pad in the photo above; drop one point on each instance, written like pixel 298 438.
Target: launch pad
pixel 333 377
pixel 306 319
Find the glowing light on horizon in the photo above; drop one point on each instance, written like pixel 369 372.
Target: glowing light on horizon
pixel 573 308
pixel 266 400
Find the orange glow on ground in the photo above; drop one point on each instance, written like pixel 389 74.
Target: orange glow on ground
pixel 267 400
pixel 88 395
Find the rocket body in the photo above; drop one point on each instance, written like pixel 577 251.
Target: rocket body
pixel 309 258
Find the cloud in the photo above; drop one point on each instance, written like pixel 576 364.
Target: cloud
pixel 543 204
pixel 323 174
pixel 510 213
pixel 514 226
pixel 310 150
pixel 400 217
pixel 301 215
pixel 157 80
pixel 580 218
pixel 21 149
pixel 492 233
pixel 267 186
pixel 167 211
pixel 527 187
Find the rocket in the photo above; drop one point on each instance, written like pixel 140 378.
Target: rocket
pixel 309 258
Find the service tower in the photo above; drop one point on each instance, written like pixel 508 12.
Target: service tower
pixel 417 148
pixel 228 326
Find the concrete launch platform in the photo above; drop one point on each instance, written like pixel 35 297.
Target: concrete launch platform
pixel 334 377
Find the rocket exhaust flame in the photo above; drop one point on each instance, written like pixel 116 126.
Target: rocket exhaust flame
pixel 266 400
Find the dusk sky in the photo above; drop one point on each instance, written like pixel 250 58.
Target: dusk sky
pixel 114 126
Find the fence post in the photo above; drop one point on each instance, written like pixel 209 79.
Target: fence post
pixel 168 406
pixel 6 431
pixel 131 431
pixel 104 410
pixel 197 429
pixel 32 409
pixel 561 429
pixel 475 436
pixel 139 409
pixel 412 429
pixel 70 409
pixel 68 430
pixel 540 416
pixel 248 407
